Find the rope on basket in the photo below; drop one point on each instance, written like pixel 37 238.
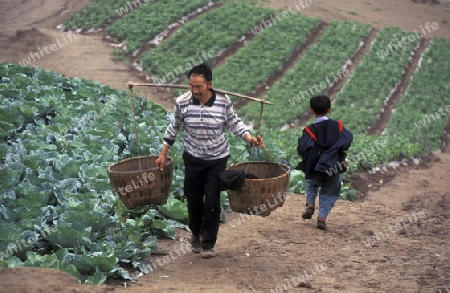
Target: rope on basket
pixel 251 147
pixel 120 126
pixel 130 97
pixel 264 149
pixel 130 87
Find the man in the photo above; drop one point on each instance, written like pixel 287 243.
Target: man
pixel 205 115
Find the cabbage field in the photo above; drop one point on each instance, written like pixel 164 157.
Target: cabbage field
pixel 57 208
pixel 58 135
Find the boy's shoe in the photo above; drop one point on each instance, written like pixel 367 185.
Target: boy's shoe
pixel 196 244
pixel 208 253
pixel 308 213
pixel 321 224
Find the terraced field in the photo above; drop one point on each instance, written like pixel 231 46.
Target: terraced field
pixel 385 85
pixel 279 56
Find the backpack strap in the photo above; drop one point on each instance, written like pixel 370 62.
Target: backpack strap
pixel 341 126
pixel 313 136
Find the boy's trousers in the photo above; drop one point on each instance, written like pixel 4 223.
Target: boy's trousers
pixel 329 188
pixel 202 191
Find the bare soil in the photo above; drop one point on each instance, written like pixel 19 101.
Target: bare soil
pixel 393 239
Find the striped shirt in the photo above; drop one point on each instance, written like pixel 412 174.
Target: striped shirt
pixel 204 125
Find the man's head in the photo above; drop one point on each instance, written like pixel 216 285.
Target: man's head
pixel 320 105
pixel 200 82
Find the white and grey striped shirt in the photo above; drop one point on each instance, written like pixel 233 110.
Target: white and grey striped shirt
pixel 204 125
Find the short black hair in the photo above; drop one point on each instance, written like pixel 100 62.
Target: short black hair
pixel 320 104
pixel 202 69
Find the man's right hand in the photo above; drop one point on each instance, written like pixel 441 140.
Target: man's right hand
pixel 161 162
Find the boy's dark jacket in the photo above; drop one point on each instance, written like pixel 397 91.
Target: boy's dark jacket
pixel 332 142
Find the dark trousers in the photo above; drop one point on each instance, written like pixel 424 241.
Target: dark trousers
pixel 202 191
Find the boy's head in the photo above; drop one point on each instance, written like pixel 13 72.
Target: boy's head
pixel 320 105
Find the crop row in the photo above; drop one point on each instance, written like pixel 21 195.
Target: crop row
pixel 362 97
pixel 143 24
pixel 99 13
pixel 423 111
pixel 313 74
pixel 263 55
pixel 201 39
pixel 357 103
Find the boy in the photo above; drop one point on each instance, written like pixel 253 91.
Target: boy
pixel 323 161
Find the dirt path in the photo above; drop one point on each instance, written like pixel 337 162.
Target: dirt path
pixel 395 239
pixel 390 242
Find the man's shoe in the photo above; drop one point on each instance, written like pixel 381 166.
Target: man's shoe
pixel 321 224
pixel 195 243
pixel 308 213
pixel 208 253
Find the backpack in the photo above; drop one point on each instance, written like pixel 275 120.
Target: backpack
pixel 310 161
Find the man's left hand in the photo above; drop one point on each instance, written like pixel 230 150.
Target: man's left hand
pixel 258 141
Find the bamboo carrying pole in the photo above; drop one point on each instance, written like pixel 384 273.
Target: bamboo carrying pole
pixel 182 86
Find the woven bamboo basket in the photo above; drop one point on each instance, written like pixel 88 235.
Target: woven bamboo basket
pixel 263 195
pixel 138 182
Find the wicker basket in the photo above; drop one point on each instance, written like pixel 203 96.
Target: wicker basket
pixel 137 181
pixel 263 195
